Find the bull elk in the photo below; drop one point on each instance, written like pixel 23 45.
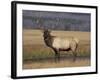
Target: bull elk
pixel 60 44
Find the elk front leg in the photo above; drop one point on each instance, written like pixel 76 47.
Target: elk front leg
pixel 57 55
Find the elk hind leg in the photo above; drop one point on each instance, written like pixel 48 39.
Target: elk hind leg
pixel 74 56
pixel 73 48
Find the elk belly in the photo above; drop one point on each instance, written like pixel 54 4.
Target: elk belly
pixel 59 43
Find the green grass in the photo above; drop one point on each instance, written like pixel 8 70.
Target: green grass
pixel 37 55
pixel 38 52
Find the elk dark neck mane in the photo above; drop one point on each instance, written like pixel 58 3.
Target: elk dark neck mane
pixel 48 39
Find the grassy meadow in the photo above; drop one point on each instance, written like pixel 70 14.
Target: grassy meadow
pixel 37 55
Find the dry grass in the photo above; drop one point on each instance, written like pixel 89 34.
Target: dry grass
pixel 36 36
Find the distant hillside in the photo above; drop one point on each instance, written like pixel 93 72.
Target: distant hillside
pixel 56 20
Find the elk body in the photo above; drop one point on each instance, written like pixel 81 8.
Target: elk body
pixel 60 44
